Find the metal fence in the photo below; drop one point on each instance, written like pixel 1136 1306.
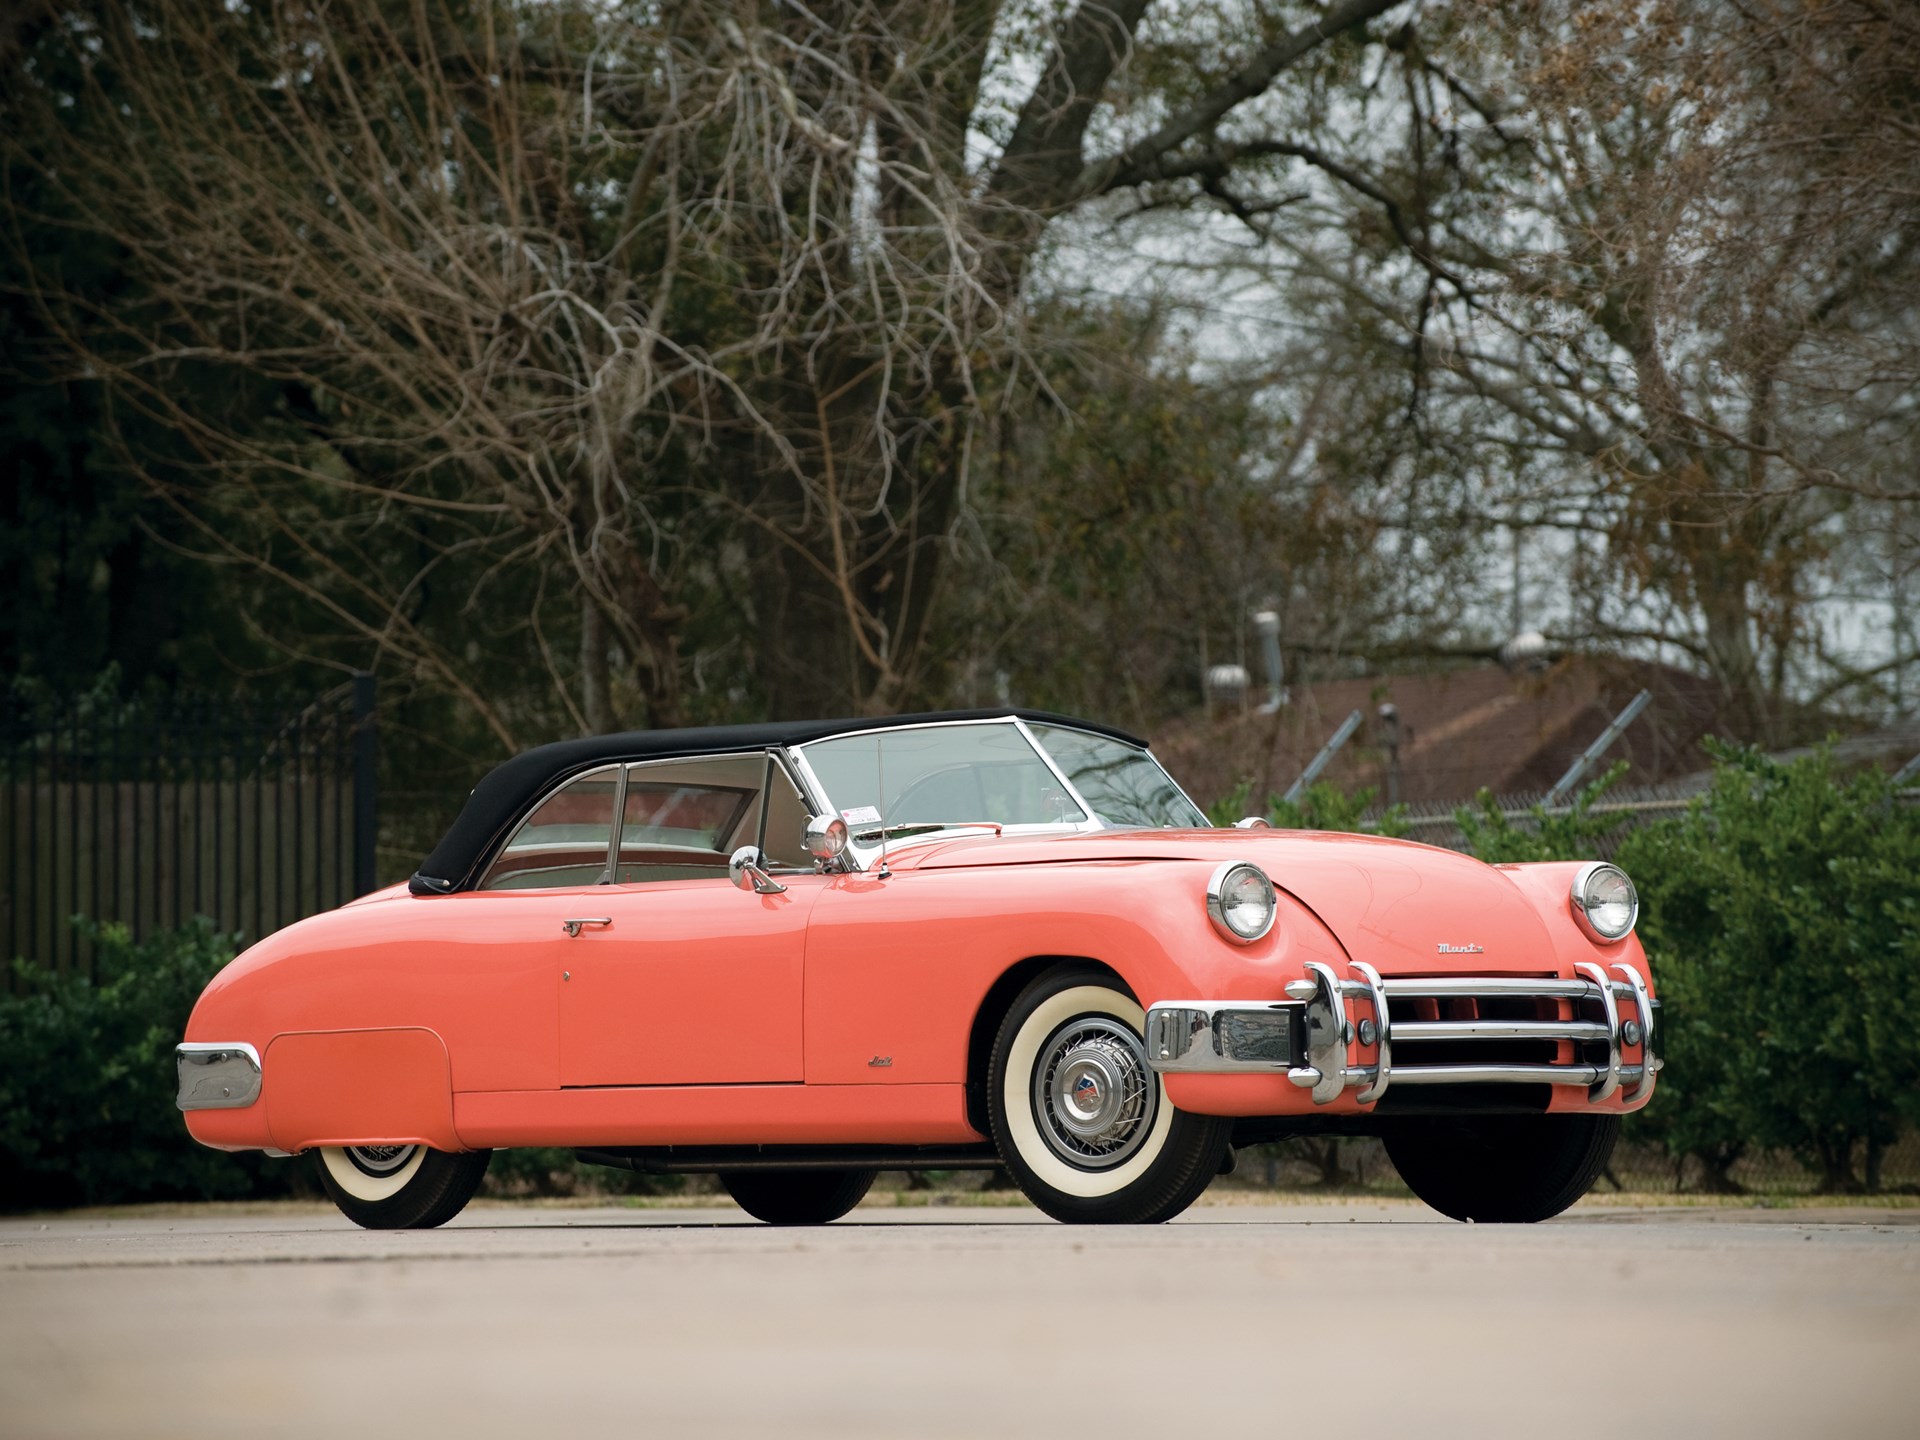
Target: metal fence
pixel 150 812
pixel 1436 822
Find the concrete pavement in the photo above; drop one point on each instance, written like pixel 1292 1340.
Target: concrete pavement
pixel 1261 1319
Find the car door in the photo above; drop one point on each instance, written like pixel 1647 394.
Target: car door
pixel 675 976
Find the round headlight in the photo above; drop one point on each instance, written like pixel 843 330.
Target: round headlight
pixel 1604 901
pixel 1240 902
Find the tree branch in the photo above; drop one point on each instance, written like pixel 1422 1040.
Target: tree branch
pixel 1140 161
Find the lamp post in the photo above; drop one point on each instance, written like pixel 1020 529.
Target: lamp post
pixel 1389 716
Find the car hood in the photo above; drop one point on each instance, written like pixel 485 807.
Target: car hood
pixel 1392 903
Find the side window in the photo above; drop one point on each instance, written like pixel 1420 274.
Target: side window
pixel 564 841
pixel 683 818
pixel 786 825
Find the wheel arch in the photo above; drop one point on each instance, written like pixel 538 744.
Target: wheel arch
pixel 994 1006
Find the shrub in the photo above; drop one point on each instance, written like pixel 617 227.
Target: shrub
pixel 1320 807
pixel 1782 919
pixel 86 1094
pixel 1575 833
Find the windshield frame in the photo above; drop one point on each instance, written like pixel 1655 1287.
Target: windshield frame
pixel 865 857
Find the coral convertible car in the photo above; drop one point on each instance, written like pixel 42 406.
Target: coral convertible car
pixel 796 955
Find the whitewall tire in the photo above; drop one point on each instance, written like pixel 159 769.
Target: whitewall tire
pixel 1083 1124
pixel 400 1187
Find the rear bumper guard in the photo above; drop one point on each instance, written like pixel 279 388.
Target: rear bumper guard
pixel 1308 1035
pixel 217 1077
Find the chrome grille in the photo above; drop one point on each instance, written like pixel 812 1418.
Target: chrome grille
pixel 1480 1030
pixel 1597 1031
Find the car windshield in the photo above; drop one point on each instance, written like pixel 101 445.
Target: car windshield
pixel 1125 785
pixel 939 775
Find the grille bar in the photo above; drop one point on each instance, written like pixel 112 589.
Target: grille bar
pixel 1413 1030
pixel 1491 987
pixel 1502 1074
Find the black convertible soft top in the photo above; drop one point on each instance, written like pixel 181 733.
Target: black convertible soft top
pixel 506 792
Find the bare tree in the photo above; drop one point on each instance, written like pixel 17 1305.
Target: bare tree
pixel 1644 274
pixel 681 311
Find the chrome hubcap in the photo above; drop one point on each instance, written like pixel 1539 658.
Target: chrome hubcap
pixel 379 1159
pixel 1094 1098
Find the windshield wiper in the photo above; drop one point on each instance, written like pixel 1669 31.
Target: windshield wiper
pixel 925 827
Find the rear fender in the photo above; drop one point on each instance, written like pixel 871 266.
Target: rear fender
pixel 359 1087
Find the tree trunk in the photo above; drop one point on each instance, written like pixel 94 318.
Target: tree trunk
pixel 1835 1154
pixel 1716 1169
pixel 596 701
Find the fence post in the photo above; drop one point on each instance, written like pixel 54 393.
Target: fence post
pixel 365 739
pixel 1598 748
pixel 1319 762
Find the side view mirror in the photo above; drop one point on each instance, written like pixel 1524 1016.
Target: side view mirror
pixel 747 869
pixel 826 837
pixel 1253 822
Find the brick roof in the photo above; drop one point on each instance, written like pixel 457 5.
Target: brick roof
pixel 1509 731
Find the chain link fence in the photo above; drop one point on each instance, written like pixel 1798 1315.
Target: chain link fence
pixel 1436 822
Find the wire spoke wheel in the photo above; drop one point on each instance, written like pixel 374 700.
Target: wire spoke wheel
pixel 1094 1099
pixel 379 1159
pixel 1081 1121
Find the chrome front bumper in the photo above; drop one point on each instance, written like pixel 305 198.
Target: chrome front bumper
pixel 1308 1034
pixel 217 1077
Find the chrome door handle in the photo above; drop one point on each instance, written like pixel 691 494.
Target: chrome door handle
pixel 596 922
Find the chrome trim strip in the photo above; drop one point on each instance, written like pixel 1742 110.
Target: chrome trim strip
pixel 1610 1080
pixel 1196 1037
pixel 1649 1059
pixel 1507 1074
pixel 216 1076
pixel 1383 1061
pixel 1452 986
pixel 1502 1030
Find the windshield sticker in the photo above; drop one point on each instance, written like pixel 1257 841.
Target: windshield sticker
pixel 861 815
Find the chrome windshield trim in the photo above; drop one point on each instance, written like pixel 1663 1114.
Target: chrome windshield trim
pixel 865 857
pixel 222 1075
pixel 1073 790
pixel 1046 758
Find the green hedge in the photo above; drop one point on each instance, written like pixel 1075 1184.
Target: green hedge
pixel 1781 913
pixel 86 1094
